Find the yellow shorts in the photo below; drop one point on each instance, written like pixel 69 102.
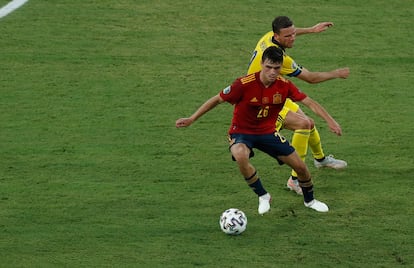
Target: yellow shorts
pixel 289 106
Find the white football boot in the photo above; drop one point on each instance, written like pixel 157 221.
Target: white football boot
pixel 264 203
pixel 330 162
pixel 317 205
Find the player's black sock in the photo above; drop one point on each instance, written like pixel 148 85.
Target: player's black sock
pixel 320 160
pixel 307 190
pixel 255 184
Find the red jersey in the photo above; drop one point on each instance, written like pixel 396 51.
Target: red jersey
pixel 256 107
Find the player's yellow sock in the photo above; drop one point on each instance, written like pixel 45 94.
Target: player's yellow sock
pixel 300 141
pixel 315 144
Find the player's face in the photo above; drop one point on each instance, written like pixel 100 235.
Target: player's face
pixel 270 71
pixel 286 37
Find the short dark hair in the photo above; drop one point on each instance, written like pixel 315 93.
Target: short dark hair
pixel 281 22
pixel 273 54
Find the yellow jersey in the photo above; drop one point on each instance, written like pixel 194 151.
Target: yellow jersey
pixel 289 67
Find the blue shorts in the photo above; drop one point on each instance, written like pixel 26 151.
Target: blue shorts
pixel 272 144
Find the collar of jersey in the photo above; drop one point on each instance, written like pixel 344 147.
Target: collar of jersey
pixel 277 44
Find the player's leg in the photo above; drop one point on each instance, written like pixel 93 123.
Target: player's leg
pixel 314 142
pixel 294 119
pixel 319 158
pixel 241 153
pixel 314 139
pixel 279 148
pixel 305 181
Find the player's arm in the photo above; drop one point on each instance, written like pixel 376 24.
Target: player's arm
pixel 204 108
pixel 317 77
pixel 317 28
pixel 321 112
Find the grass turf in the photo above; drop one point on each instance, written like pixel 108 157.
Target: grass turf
pixel 94 173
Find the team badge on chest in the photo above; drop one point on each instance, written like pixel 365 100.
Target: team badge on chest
pixel 277 99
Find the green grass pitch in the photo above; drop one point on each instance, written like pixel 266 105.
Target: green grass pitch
pixel 93 172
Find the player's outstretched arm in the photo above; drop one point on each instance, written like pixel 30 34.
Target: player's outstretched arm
pixel 204 108
pixel 317 77
pixel 321 112
pixel 317 28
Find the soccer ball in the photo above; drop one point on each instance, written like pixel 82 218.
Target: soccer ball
pixel 233 221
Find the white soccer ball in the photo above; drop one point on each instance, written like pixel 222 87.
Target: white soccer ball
pixel 233 221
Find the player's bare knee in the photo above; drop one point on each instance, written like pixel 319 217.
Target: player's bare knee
pixel 303 123
pixel 240 158
pixel 308 123
pixel 240 152
pixel 312 123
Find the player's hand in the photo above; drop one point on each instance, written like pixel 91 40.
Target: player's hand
pixel 335 128
pixel 321 26
pixel 342 72
pixel 183 122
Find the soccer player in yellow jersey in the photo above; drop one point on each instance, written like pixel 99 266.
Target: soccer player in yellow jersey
pixel 283 36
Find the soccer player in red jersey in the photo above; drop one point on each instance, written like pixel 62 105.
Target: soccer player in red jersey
pixel 258 98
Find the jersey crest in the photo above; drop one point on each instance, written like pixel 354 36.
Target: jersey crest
pixel 277 98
